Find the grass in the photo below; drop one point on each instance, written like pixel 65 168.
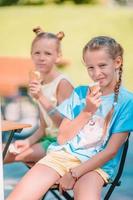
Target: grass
pixel 79 23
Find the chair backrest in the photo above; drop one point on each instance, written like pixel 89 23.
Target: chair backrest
pixel 117 181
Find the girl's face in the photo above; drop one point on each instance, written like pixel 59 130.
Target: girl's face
pixel 102 68
pixel 44 54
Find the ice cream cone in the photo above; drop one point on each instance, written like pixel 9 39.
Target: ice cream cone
pixel 93 87
pixel 35 75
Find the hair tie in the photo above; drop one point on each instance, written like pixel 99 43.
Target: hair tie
pixel 60 35
pixel 38 30
pixel 114 104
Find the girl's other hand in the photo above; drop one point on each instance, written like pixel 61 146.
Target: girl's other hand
pixel 35 89
pixel 93 100
pixel 66 182
pixel 22 145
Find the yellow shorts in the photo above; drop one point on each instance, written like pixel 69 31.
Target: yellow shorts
pixel 61 161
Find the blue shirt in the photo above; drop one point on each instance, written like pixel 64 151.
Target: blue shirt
pixel 122 121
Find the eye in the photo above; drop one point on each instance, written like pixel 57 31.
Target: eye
pixel 103 65
pixel 48 53
pixel 90 68
pixel 37 53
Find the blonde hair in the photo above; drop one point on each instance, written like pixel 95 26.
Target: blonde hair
pixel 40 33
pixel 114 49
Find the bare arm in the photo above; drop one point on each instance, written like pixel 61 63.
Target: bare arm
pixel 68 129
pixel 64 90
pixel 102 157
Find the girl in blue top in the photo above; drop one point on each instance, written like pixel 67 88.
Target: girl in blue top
pixel 79 161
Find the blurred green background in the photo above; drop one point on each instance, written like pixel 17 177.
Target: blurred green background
pixel 79 22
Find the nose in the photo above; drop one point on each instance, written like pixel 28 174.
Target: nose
pixel 42 57
pixel 97 72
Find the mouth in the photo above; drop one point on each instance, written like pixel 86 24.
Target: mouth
pixel 42 64
pixel 101 80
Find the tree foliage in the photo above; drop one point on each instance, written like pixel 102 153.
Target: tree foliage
pixel 38 2
pixel 8 2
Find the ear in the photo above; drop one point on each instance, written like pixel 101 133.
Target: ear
pixel 118 62
pixel 58 58
pixel 32 57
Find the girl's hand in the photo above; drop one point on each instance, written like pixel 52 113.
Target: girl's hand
pixel 35 89
pixel 22 145
pixel 66 182
pixel 93 101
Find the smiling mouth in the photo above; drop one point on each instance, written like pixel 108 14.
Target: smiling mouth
pixel 101 79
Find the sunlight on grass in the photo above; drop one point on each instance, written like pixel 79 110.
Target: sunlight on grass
pixel 79 23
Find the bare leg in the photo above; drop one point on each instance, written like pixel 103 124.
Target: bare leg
pixel 32 155
pixel 89 186
pixel 35 183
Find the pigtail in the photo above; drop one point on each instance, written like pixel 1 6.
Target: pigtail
pixel 38 30
pixel 60 35
pixel 118 84
pixel 116 92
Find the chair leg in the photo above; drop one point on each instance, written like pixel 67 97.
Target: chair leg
pixel 67 196
pixel 111 189
pixel 54 194
pixel 117 181
pixel 44 196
